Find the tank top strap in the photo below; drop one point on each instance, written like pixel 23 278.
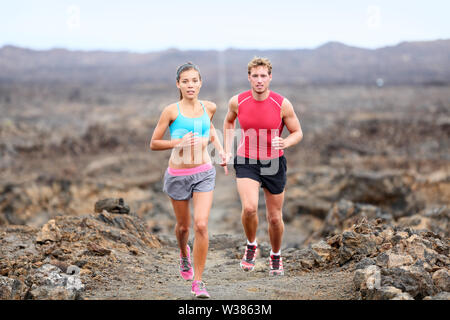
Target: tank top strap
pixel 203 106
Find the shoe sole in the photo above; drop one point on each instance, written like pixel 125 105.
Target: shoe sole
pixel 201 296
pixel 246 268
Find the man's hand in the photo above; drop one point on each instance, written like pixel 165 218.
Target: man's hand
pixel 278 143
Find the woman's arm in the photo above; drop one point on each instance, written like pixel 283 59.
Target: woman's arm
pixel 215 139
pixel 213 134
pixel 157 142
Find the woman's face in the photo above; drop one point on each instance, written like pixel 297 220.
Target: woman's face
pixel 189 83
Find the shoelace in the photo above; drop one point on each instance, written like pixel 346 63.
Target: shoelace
pixel 185 265
pixel 251 250
pixel 200 285
pixel 275 262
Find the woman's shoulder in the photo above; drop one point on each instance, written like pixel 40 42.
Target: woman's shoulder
pixel 171 107
pixel 211 106
pixel 171 110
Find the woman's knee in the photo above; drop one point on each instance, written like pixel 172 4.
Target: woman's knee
pixel 201 227
pixel 182 228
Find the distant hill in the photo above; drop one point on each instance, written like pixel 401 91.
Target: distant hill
pixel 425 62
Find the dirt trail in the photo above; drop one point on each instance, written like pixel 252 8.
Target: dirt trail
pixel 156 276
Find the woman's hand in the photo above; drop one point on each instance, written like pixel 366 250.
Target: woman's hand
pixel 226 157
pixel 189 139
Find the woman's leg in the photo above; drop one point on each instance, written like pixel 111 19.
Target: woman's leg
pixel 183 216
pixel 202 207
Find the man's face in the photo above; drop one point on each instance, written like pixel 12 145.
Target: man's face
pixel 259 79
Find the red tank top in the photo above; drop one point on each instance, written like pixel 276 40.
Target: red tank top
pixel 260 122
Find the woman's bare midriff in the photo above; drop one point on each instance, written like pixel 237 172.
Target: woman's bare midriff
pixel 190 157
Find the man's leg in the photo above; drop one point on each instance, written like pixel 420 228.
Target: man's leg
pixel 274 205
pixel 274 214
pixel 249 191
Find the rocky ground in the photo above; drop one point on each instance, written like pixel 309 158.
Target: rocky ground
pixel 366 211
pixel 113 256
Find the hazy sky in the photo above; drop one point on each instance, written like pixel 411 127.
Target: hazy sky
pixel 200 24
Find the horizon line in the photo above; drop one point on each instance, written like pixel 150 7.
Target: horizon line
pixel 220 50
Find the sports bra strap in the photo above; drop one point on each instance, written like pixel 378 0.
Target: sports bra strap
pixel 203 106
pixel 178 106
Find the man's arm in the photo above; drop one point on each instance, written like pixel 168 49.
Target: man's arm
pixel 212 107
pixel 229 125
pixel 292 124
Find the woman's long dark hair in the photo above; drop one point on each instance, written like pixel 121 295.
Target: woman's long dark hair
pixel 185 67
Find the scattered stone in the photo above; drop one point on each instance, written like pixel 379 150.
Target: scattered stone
pixel 73 270
pixel 49 232
pixel 414 280
pixel 323 249
pixel 50 283
pixel 112 205
pixel 11 289
pixel 367 279
pixel 440 296
pixel 441 279
pixel 365 263
pixel 97 249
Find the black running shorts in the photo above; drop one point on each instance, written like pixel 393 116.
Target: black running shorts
pixel 270 173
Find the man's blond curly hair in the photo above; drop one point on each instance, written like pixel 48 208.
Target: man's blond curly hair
pixel 259 61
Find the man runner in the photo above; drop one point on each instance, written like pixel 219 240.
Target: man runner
pixel 260 160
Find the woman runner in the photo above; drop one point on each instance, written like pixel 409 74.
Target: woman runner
pixel 190 173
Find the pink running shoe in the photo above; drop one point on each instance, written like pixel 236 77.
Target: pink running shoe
pixel 276 266
pixel 186 270
pixel 248 261
pixel 199 289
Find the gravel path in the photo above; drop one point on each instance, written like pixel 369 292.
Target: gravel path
pixel 155 276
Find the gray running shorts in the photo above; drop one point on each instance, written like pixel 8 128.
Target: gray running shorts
pixel 182 187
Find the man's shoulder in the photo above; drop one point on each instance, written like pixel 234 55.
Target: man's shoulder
pixel 243 95
pixel 277 97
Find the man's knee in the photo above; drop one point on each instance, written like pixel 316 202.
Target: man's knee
pixel 249 211
pixel 275 218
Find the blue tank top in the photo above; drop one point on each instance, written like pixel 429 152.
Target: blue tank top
pixel 182 125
